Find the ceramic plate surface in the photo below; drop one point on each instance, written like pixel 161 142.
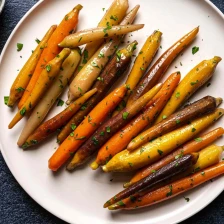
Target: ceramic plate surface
pixel 78 197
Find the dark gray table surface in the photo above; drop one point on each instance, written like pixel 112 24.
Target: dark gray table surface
pixel 16 206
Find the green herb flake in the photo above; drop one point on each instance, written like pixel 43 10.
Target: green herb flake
pixel 132 198
pixel 73 126
pixel 95 141
pixel 6 99
pixel 102 133
pixel 195 49
pixel 80 39
pixel 125 115
pixel 142 68
pixel 23 111
pixel 72 134
pixel 177 121
pixel 86 56
pixel 153 171
pixel 177 95
pixel 33 141
pixel 100 79
pixel 19 46
pixel 193 129
pixel 141 150
pixel 170 192
pixel 121 203
pixel 60 103
pixel 164 116
pixel 101 55
pixel 94 64
pixel 118 53
pixel 114 18
pixel 108 129
pixel 198 139
pixel 48 68
pixel 160 152
pixel 20 89
pixel 202 173
pixel 187 199
pixel 103 9
pixel 37 40
pixel 130 164
pixel 193 83
pixel 66 18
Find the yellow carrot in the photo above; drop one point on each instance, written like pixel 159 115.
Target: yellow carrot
pixel 45 79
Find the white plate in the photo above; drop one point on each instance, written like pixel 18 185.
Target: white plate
pixel 78 197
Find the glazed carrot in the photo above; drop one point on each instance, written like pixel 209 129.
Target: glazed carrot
pixel 103 133
pixel 197 77
pixel 26 72
pixel 44 81
pixel 171 190
pixel 52 125
pixel 194 110
pixel 160 147
pixel 47 101
pixel 68 23
pixel 165 173
pixel 113 15
pixel 113 70
pixel 189 147
pixel 141 64
pixel 120 140
pixel 161 65
pixel 86 128
pixel 94 34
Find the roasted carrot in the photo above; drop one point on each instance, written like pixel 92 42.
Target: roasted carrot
pixel 160 147
pixel 141 64
pixel 174 168
pixel 161 65
pixel 52 125
pixel 111 126
pixel 45 79
pixel 68 23
pixel 86 128
pixel 92 68
pixel 120 140
pixel 197 77
pixel 189 147
pixel 24 76
pixel 113 15
pixel 94 34
pixel 113 70
pixel 45 104
pixel 171 190
pixel 205 105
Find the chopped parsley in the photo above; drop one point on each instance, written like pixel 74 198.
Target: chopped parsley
pixel 170 192
pixel 164 116
pixel 6 99
pixel 86 55
pixel 125 115
pixel 177 95
pixel 114 18
pixel 101 55
pixel 160 152
pixel 19 46
pixel 95 141
pixel 48 68
pixel 121 203
pixel 37 40
pixel 195 49
pixel 73 126
pixel 60 103
pixel 108 129
pixel 198 139
pixel 187 199
pixel 193 83
pixel 94 64
pixel 193 129
pixel 23 111
pixel 177 121
pixel 20 89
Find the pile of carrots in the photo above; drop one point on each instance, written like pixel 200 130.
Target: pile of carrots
pixel 140 126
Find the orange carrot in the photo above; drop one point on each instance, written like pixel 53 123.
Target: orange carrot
pixel 171 190
pixel 56 122
pixel 86 128
pixel 121 139
pixel 68 23
pixel 189 147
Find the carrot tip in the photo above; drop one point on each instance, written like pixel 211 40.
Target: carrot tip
pixel 104 168
pixel 94 165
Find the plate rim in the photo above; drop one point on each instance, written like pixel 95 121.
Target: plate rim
pixel 36 199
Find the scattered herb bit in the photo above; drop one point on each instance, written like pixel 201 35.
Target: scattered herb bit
pixel 108 129
pixel 80 39
pixel 66 18
pixel 95 141
pixel 100 79
pixel 121 203
pixel 153 171
pixel 6 99
pixel 103 9
pixel 48 68
pixel 20 89
pixel 125 115
pixel 160 47
pixel 73 126
pixel 187 199
pixel 114 18
pixel 37 40
pixel 164 117
pixel 140 52
pixel 130 164
pixel 202 173
pixel 60 103
pixel 160 152
pixel 177 121
pixel 177 95
pixel 86 55
pixel 19 46
pixel 94 64
pixel 80 90
pixel 141 150
pixel 132 198
pixel 142 68
pixel 101 55
pixel 72 134
pixel 23 111
pixel 118 53
pixel 195 50
pixel 25 145
pixel 102 133
pixel 170 192
pixel 198 139
pixel 208 84
pixel 193 83
pixel 181 64
pixel 193 129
